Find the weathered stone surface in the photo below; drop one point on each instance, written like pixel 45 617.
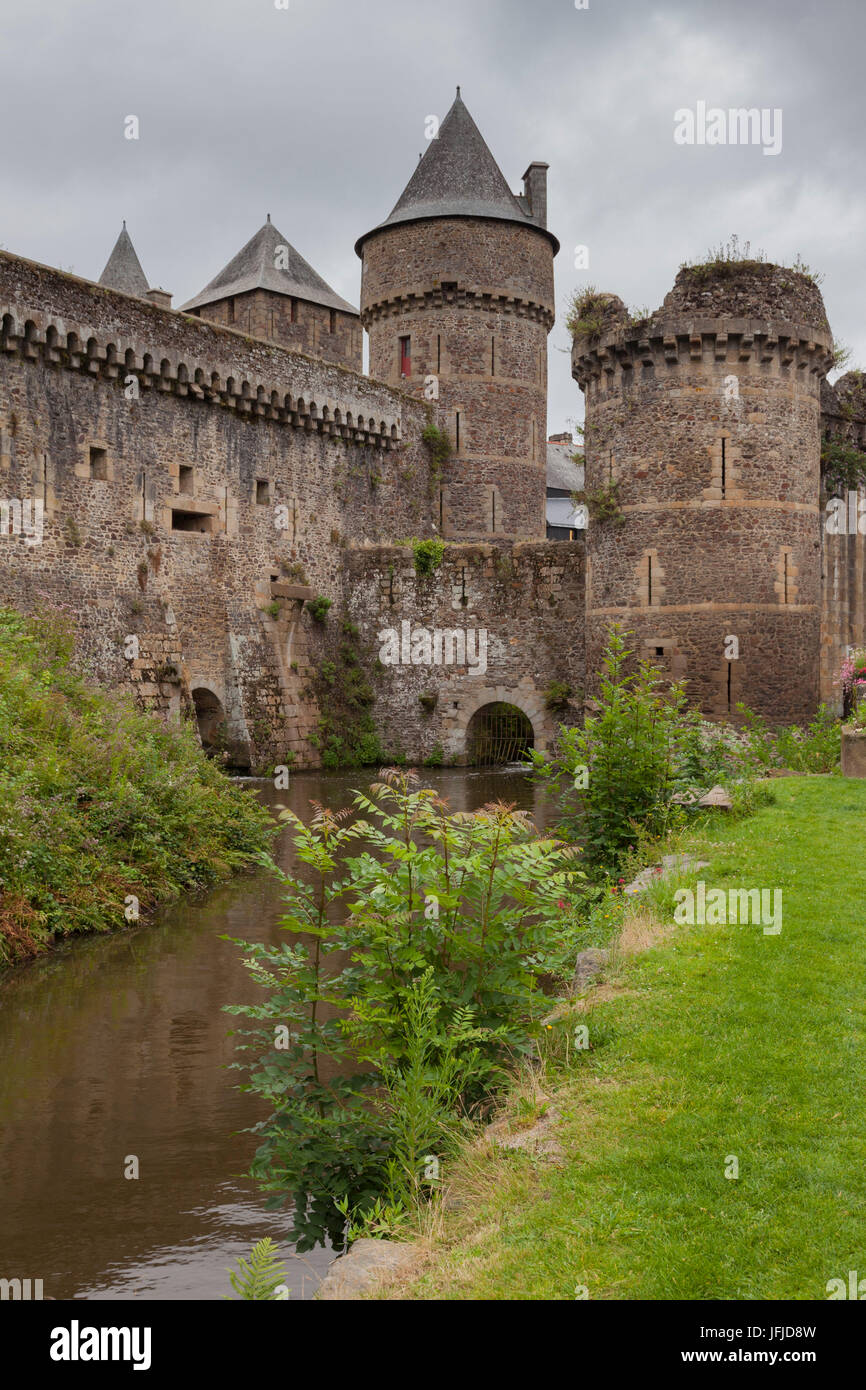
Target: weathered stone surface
pixel 853 753
pixel 707 417
pixel 588 964
pixel 716 798
pixel 357 1273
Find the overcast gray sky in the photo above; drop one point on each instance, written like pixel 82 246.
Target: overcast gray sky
pixel 316 114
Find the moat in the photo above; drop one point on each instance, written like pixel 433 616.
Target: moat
pixel 118 1046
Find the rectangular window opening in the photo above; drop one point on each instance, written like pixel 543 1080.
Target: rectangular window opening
pixel 293 311
pixel 406 356
pixel 649 578
pixel 263 492
pixel 724 466
pixel 457 429
pixel 99 465
pixel 333 321
pixel 438 352
pixel 186 480
pixel 201 522
pixel 231 311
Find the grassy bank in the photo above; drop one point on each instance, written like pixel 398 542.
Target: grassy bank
pixel 708 1044
pixel 99 802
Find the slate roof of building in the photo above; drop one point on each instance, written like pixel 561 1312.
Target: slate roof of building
pixel 123 269
pixel 457 177
pixel 562 472
pixel 255 268
pixel 564 513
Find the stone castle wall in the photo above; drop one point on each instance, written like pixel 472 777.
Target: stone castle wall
pixel 528 598
pixel 128 421
pixel 295 324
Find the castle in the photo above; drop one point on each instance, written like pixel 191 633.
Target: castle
pixel 206 479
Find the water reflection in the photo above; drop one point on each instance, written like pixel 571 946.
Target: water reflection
pixel 118 1046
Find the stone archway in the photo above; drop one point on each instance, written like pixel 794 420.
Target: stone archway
pixel 498 733
pixel 211 720
pixel 524 697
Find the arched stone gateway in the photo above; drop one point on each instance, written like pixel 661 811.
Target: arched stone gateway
pixel 460 725
pixel 211 719
pixel 498 733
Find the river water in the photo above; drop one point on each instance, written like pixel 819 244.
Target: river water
pixel 117 1046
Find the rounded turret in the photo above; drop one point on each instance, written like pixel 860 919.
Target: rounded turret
pixel 703 445
pixel 457 297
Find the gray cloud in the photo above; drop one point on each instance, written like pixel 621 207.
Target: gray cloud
pixel 316 115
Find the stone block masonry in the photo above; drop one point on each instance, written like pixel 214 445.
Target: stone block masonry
pixel 705 418
pixel 528 601
pixel 187 473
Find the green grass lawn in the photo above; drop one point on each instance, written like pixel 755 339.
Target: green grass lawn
pixel 718 1041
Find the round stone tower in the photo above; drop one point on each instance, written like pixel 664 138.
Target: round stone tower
pixel 703 476
pixel 457 297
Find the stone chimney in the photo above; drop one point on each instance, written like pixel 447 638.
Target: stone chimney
pixel 161 298
pixel 535 191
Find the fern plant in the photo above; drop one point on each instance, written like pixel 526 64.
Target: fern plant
pixel 261 1276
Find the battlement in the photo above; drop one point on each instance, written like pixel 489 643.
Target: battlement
pixel 435 297
pixel 730 314
pixel 82 327
pixel 658 346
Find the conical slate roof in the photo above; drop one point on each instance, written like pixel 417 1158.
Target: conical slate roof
pixel 457 177
pixel 270 262
pixel 123 271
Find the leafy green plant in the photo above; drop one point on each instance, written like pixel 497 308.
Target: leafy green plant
pixel 584 316
pixel 438 443
pixel 557 695
pixel 98 800
pixel 620 768
pixel 603 505
pixel 427 556
pixel 436 756
pixel 318 608
pixel 406 980
pixel 843 466
pixel 262 1275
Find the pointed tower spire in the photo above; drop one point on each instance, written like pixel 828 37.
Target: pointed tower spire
pixel 270 291
pixel 123 269
pixel 458 177
pixel 269 262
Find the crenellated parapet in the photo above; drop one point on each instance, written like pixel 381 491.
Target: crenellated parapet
pixel 434 297
pixel 605 364
pixel 72 324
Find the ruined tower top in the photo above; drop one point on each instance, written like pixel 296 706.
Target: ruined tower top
pixel 123 270
pixel 459 177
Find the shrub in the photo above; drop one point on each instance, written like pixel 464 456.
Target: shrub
pixel 98 800
pixel 318 608
pixel 557 695
pixel 438 443
pixel 630 752
pixel 407 981
pixel 427 555
pixel 584 317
